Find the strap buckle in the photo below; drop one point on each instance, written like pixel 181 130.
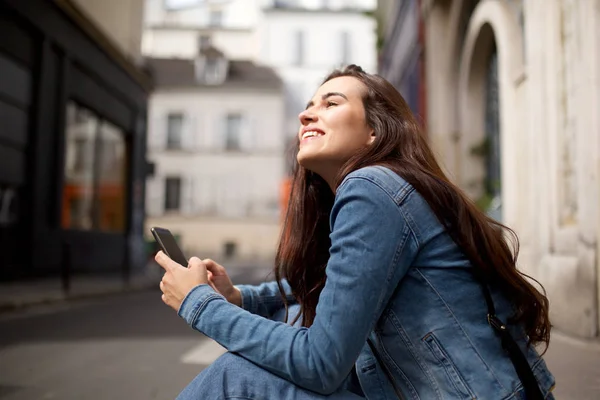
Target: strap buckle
pixel 496 323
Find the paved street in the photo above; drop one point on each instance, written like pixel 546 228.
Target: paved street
pixel 131 346
pixel 122 347
pixel 125 346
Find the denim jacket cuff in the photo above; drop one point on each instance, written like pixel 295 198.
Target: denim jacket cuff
pixel 248 302
pixel 196 301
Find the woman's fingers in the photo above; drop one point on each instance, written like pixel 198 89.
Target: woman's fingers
pixel 213 267
pixel 210 281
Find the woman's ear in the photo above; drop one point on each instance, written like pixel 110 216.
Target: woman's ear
pixel 372 138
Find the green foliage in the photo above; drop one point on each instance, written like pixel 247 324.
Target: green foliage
pixel 482 149
pixel 484 202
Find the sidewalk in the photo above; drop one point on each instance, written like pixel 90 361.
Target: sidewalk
pixel 15 295
pixel 575 364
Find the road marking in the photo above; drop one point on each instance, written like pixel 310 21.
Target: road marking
pixel 205 353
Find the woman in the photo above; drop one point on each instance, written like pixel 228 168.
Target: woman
pixel 401 283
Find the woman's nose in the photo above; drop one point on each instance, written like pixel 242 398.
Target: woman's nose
pixel 307 117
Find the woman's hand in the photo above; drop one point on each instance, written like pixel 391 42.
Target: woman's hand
pixel 221 283
pixel 178 280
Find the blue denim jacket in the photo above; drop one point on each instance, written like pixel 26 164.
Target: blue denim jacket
pixel 394 275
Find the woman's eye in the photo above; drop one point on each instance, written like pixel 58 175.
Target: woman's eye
pixel 331 103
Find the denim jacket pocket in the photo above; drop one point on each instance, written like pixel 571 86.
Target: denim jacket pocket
pixel 454 378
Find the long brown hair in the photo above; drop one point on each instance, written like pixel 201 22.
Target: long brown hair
pixel 400 145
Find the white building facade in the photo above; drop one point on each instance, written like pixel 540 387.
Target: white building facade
pixel 218 159
pixel 228 195
pixel 518 81
pixel 215 129
pixel 304 40
pixel 177 28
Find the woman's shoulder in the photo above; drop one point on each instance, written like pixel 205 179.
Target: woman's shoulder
pixel 385 178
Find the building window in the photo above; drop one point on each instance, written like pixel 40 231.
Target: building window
pixel 81 153
pixel 215 18
pixel 204 42
pixel 96 162
pixel 287 3
pixel 173 194
pixel 180 4
pixel 298 56
pixel 233 131
pixel 212 72
pixel 345 48
pixel 174 131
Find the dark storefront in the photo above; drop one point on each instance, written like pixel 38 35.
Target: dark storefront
pixel 72 146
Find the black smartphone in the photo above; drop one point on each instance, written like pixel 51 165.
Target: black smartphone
pixel 169 246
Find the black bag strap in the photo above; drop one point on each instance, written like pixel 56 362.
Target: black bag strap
pixel 522 367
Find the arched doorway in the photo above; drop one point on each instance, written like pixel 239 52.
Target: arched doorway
pixel 480 124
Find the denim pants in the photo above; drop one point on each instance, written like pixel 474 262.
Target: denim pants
pixel 233 377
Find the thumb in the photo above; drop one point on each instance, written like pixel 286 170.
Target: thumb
pixel 165 261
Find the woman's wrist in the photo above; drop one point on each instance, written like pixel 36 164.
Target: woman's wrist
pixel 236 297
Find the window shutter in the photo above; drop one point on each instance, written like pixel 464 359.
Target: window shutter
pixel 222 132
pixel 188 139
pixel 155 196
pixel 248 141
pixel 157 133
pixel 187 195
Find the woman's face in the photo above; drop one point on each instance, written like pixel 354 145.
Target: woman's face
pixel 333 127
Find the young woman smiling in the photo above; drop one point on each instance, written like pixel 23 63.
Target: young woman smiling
pixel 390 283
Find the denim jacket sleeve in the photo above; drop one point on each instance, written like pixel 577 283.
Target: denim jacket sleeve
pixel 372 247
pixel 265 299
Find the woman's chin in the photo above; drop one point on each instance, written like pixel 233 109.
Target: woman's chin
pixel 304 158
pixel 307 161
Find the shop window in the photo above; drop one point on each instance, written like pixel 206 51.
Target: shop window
pixel 95 169
pixel 112 178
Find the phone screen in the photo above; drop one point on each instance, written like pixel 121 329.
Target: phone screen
pixel 167 242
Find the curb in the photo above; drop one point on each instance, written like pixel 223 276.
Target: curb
pixel 55 298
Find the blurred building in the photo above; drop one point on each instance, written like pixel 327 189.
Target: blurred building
pixel 402 58
pixel 304 40
pixel 215 131
pixel 512 111
pixel 180 28
pixel 72 142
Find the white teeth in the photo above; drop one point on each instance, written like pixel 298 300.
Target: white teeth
pixel 311 134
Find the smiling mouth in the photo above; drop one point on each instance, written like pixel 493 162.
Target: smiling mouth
pixel 311 134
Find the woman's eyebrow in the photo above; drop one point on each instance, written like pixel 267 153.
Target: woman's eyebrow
pixel 327 95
